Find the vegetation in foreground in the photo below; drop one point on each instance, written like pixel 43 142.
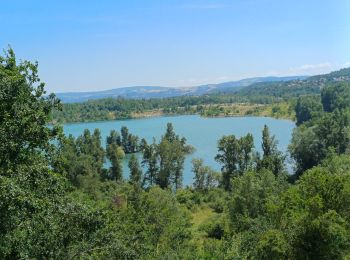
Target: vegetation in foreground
pixel 57 200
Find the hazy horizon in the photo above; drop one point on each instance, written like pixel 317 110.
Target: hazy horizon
pixel 193 86
pixel 85 46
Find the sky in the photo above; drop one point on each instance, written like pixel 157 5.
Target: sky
pixel 87 45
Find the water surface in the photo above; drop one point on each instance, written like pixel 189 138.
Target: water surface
pixel 202 133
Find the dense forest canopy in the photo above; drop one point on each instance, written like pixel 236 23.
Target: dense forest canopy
pixel 59 200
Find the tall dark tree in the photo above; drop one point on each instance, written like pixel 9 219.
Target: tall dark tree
pixel 129 142
pixel 135 171
pixel 114 137
pixel 272 159
pixel 150 161
pixel 170 134
pixel 115 154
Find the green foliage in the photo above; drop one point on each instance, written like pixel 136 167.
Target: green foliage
pixel 57 201
pixel 272 245
pixel 135 171
pixel 33 199
pixel 165 160
pixel 150 161
pixel 306 108
pixel 79 157
pixel 250 196
pixel 24 113
pixel 312 144
pixel 295 88
pixel 272 159
pixel 326 133
pixel 307 220
pixel 235 156
pixel 336 96
pixel 115 154
pixel 129 142
pixel 205 178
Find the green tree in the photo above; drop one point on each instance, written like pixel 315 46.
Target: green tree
pixel 114 137
pixel 125 138
pixel 24 113
pixel 135 171
pixel 170 134
pixel 312 144
pixel 336 96
pixel 38 220
pixel 165 161
pixel 115 154
pixel 171 153
pixel 272 159
pixel 150 161
pixel 306 108
pixel 205 178
pixel 235 155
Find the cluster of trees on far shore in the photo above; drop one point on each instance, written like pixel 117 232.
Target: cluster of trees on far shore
pixel 59 199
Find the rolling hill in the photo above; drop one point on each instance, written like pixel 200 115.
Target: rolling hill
pixel 146 92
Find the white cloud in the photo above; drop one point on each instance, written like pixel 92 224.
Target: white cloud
pixel 312 68
pixel 346 64
pixel 309 69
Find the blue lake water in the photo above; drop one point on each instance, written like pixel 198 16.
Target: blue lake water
pixel 202 133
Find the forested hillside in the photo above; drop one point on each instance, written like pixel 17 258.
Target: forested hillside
pixel 272 98
pixel 59 200
pixel 293 88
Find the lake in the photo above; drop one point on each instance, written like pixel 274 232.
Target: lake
pixel 202 133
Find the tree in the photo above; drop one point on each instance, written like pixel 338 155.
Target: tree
pixel 272 159
pixel 114 137
pixel 38 219
pixel 135 171
pixel 235 155
pixel 115 154
pixel 171 153
pixel 170 134
pixel 24 113
pixel 306 108
pixel 165 160
pixel 125 138
pixel 129 142
pixel 150 161
pixel 312 144
pixel 205 178
pixel 336 96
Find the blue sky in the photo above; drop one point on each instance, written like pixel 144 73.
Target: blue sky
pixel 86 45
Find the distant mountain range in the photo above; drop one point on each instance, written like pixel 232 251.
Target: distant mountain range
pixel 267 86
pixel 147 92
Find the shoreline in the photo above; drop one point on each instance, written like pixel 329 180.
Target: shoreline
pixel 281 110
pixel 173 115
